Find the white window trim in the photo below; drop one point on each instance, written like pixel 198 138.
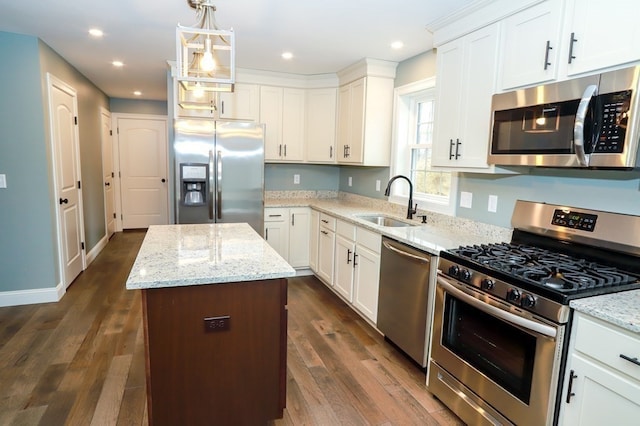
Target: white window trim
pixel 401 120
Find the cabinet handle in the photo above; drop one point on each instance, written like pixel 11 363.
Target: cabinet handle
pixel 348 256
pixel 344 151
pixel 285 149
pixel 348 151
pixel 546 55
pixel 457 148
pixel 324 232
pixel 222 107
pixel 330 152
pixel 354 260
pixel 571 41
pixel 280 150
pixel 275 215
pixel 628 358
pixel 293 219
pixel 324 221
pixel 451 149
pixel 570 387
pixel 266 234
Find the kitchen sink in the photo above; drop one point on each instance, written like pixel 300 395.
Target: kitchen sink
pixel 382 220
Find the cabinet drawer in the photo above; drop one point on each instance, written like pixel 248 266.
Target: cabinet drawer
pixel 275 215
pixel 369 239
pixel 606 343
pixel 328 221
pixel 347 230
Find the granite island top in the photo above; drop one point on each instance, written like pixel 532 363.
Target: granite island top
pixel 184 255
pixel 439 233
pixel 621 309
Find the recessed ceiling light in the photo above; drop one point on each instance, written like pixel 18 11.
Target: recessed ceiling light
pixel 118 64
pixel 137 93
pixel 397 45
pixel 287 55
pixel 95 32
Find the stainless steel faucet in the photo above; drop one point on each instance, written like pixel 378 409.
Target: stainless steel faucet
pixel 410 209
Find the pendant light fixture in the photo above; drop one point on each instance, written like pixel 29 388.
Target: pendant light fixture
pixel 205 53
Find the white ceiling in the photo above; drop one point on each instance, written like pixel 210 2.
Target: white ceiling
pixel 325 36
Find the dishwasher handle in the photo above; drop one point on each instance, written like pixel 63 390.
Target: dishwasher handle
pixel 420 259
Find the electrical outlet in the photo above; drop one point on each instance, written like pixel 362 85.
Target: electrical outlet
pixel 217 323
pixel 493 203
pixel 3 181
pixel 378 185
pixel 466 199
pixel 296 179
pixel 350 181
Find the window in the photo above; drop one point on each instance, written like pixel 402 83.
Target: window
pixel 414 129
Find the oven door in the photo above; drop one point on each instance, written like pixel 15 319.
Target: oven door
pixel 492 362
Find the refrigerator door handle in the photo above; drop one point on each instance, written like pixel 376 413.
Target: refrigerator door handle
pixel 219 185
pixel 211 185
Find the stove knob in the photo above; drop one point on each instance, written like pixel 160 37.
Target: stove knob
pixel 513 295
pixel 528 301
pixel 454 270
pixel 465 275
pixel 487 284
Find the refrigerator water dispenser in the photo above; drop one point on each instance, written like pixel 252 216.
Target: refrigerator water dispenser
pixel 193 183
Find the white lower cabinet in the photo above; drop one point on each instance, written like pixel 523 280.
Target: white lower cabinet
pixel 602 379
pixel 349 262
pixel 314 231
pixel 326 247
pixel 287 231
pixel 367 273
pixel 344 259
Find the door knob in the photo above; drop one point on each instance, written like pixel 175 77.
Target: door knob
pixel 64 201
pixel 163 180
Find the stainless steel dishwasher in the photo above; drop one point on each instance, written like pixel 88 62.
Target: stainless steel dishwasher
pixel 404 304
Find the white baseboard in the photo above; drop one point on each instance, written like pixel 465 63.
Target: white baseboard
pixel 30 297
pixel 303 272
pixel 95 251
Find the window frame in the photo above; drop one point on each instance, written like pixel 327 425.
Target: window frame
pixel 404 129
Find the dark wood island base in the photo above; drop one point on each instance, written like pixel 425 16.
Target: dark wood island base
pixel 227 370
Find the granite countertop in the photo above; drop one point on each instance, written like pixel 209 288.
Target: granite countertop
pixel 439 233
pixel 621 309
pixel 183 255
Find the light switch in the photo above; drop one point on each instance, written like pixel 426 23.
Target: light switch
pixel 378 185
pixel 466 199
pixel 350 181
pixel 296 179
pixel 3 180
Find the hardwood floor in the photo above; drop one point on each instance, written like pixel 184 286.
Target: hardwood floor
pixel 81 361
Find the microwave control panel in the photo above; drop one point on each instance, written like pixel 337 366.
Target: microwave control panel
pixel 615 115
pixel 574 220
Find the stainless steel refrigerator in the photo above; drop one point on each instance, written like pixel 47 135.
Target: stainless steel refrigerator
pixel 219 172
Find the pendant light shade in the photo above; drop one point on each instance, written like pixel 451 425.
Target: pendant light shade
pixel 205 53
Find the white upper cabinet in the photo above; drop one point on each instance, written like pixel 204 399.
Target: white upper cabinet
pixel 321 125
pixel 466 77
pixel 542 44
pixel 365 113
pixel 242 104
pixel 601 34
pixel 531 45
pixel 282 112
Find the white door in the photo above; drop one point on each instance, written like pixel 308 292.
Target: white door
pixel 63 109
pixel 108 172
pixel 142 145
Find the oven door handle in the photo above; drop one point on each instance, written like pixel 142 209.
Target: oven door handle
pixel 497 312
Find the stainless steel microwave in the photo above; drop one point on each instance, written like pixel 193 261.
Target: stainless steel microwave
pixel 586 122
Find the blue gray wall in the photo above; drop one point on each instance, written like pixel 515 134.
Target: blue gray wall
pixel 28 242
pixel 137 106
pixel 27 246
pixel 279 177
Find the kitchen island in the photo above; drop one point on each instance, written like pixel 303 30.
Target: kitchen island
pixel 214 311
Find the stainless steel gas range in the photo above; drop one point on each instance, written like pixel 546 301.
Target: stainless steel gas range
pixel 502 316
